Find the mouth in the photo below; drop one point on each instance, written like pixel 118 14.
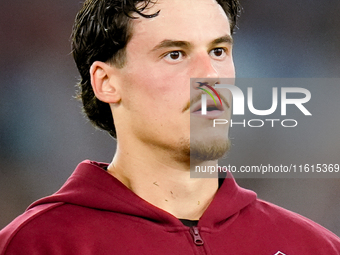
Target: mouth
pixel 213 110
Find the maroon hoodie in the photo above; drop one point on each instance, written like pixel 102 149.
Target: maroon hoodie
pixel 94 213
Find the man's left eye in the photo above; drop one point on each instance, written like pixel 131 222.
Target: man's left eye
pixel 218 53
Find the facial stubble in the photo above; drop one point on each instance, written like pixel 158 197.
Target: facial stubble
pixel 205 150
pixel 211 150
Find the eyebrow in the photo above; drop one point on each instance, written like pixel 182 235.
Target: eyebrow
pixel 224 39
pixel 184 44
pixel 172 44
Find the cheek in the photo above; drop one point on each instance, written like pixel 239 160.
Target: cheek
pixel 154 83
pixel 154 95
pixel 225 69
pixel 159 84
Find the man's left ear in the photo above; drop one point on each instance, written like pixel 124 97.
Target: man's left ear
pixel 104 82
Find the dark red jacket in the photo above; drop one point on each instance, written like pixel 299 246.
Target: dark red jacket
pixel 93 213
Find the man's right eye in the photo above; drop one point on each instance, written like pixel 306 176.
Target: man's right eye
pixel 174 56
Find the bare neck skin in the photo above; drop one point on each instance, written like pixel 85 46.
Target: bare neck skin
pixel 155 176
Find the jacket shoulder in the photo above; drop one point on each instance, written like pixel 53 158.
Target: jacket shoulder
pixel 9 236
pixel 293 227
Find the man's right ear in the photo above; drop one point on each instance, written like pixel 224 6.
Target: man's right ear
pixel 104 82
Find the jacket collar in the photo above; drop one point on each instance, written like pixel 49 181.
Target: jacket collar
pixel 90 186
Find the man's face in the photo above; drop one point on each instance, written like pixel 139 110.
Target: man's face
pixel 188 39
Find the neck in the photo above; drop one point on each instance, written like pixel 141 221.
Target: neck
pixel 162 181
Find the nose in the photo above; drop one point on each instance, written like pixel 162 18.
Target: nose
pixel 204 73
pixel 204 67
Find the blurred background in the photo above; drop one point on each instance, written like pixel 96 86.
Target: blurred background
pixel 43 135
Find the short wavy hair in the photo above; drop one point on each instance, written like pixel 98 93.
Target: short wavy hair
pixel 101 31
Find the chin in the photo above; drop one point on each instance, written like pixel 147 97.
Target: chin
pixel 209 150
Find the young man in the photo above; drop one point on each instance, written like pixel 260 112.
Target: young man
pixel 136 59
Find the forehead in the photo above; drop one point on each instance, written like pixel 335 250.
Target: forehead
pixel 187 20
